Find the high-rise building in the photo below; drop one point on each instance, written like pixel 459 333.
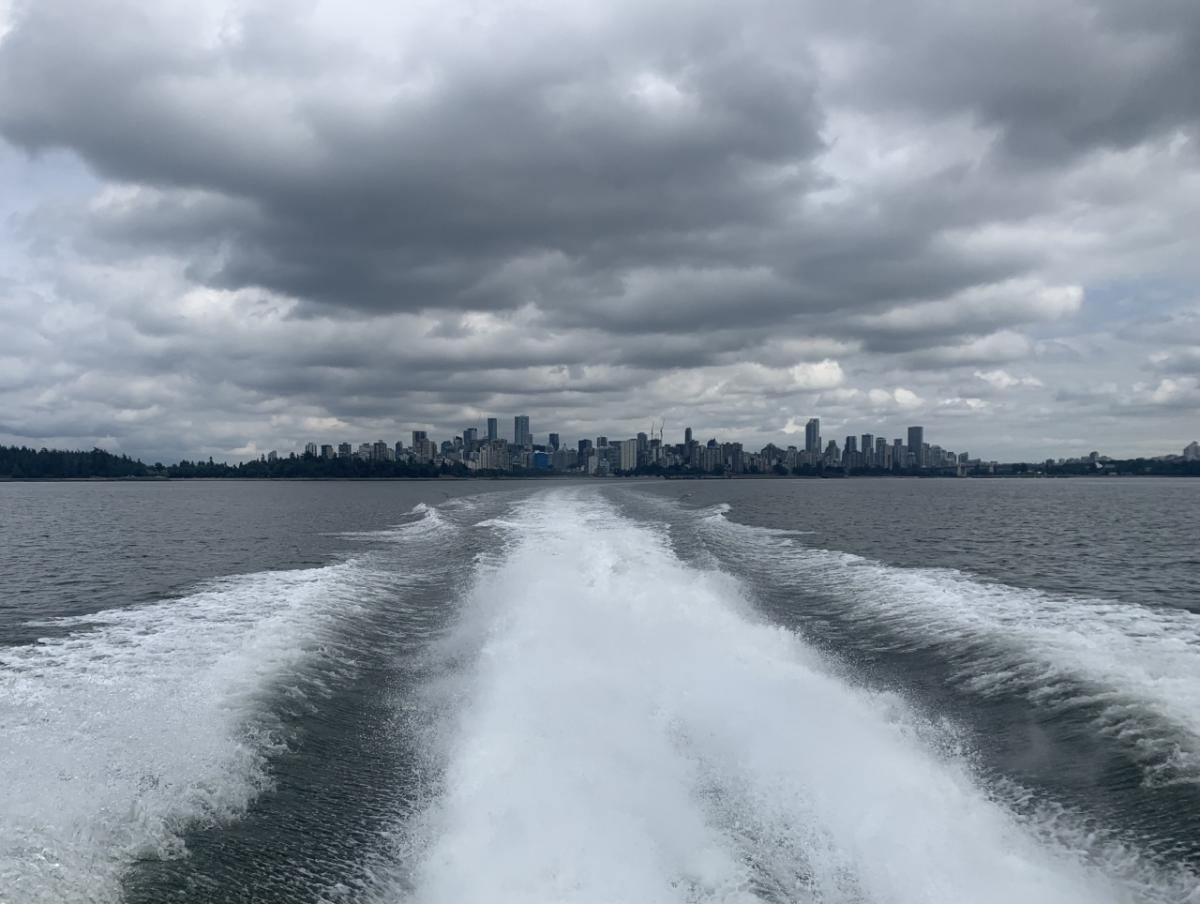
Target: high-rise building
pixel 493 425
pixel 868 449
pixel 310 449
pixel 916 447
pixel 419 436
pixel 327 451
pixel 583 445
pixel 687 436
pixel 628 454
pixel 345 450
pixel 812 435
pixel 553 442
pixel 470 436
pixel 522 438
pixel 601 442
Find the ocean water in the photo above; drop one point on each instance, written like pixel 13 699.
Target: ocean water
pixel 644 691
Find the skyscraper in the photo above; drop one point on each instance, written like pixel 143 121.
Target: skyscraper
pixel 687 436
pixel 868 449
pixel 493 429
pixel 522 438
pixel 916 443
pixel 812 435
pixel 553 441
pixel 628 454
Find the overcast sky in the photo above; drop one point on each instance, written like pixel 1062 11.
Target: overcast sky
pixel 229 227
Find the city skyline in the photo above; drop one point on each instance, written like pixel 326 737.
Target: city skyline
pixel 604 456
pixel 797 435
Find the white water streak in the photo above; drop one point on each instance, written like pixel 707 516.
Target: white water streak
pixel 118 736
pixel 629 731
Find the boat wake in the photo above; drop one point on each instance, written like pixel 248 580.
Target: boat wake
pixel 617 725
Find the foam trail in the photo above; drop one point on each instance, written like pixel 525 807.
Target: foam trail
pixel 116 737
pixel 627 730
pixel 1140 666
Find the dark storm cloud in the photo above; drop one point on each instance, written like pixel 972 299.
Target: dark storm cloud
pixel 367 214
pixel 551 168
pixel 1054 79
pixel 452 173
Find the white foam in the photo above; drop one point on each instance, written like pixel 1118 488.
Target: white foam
pixel 116 737
pixel 1139 665
pixel 627 730
pixel 425 519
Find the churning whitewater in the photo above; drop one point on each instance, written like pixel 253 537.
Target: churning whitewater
pixel 622 726
pixel 581 695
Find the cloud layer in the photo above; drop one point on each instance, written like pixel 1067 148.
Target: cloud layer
pixel 245 225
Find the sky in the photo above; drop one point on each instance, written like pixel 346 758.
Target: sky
pixel 229 227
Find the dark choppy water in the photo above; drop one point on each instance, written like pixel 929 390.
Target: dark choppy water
pixel 734 691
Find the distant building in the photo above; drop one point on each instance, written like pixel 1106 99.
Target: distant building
pixel 327 451
pixel 687 436
pixel 272 455
pixel 522 438
pixel 553 442
pixel 470 437
pixel 493 429
pixel 812 435
pixel 629 458
pixel 310 449
pixel 916 447
pixel 345 450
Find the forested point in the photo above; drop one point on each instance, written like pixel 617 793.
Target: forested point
pixel 20 462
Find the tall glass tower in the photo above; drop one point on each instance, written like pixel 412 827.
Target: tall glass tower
pixel 522 438
pixel 916 442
